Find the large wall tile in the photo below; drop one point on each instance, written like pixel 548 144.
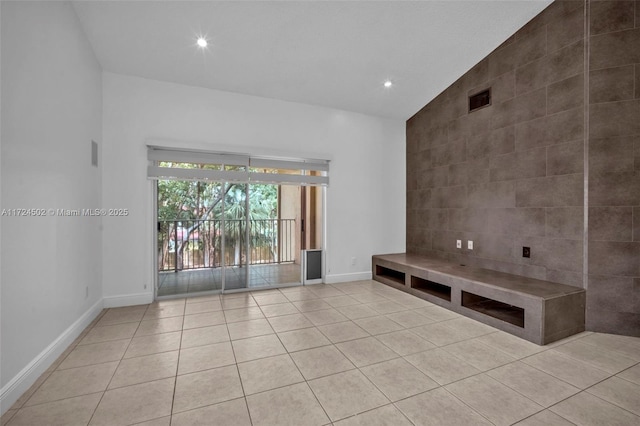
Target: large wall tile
pixel 565 158
pixel 608 16
pixel 458 128
pixel 614 119
pixel 492 195
pixel 492 246
pixel 528 46
pixel 612 294
pixel 529 106
pixel 553 191
pixel 523 221
pixel 557 128
pixel 478 121
pixel 637 72
pixel 566 30
pixel 449 197
pixel 435 136
pixel 450 153
pixel 422 160
pixel 457 174
pixel 503 114
pixel 478 171
pixel 502 141
pixel 532 44
pixel 503 59
pixel 562 254
pixel 614 258
pixel 565 222
pixel 423 199
pixel 611 224
pixel 531 163
pixel 614 189
pixel 532 76
pixel 611 84
pixel 612 155
pixel 615 49
pixel 445 241
pixel 478 145
pixel 565 94
pixel 438 219
pixel 521 108
pixel 636 154
pixel 468 220
pixel 566 62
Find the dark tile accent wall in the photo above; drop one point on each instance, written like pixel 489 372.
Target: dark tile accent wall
pixel 613 293
pixel 513 174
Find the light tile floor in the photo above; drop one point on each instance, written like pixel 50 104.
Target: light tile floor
pixel 347 354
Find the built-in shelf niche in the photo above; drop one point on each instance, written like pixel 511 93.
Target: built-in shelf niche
pixel 390 274
pixel 503 311
pixel 435 289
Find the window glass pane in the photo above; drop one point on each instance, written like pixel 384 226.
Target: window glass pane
pixel 176 165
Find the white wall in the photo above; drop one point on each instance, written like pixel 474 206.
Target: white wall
pixel 365 200
pixel 51 110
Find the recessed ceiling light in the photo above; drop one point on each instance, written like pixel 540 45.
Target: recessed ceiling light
pixel 388 83
pixel 202 42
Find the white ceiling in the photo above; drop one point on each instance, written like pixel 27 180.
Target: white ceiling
pixel 335 54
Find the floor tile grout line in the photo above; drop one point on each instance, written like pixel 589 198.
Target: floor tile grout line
pixel 582 360
pixel 104 392
pixel 547 409
pixel 569 357
pixel 626 369
pixel 467 405
pixel 561 379
pixel 604 380
pixel 244 394
pixel 175 378
pixel 595 396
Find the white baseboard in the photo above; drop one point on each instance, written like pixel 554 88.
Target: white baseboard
pixel 128 300
pixel 343 278
pixel 10 393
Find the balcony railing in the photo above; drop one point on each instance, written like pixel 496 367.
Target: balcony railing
pixel 194 244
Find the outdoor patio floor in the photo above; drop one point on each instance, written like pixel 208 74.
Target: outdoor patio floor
pixel 210 279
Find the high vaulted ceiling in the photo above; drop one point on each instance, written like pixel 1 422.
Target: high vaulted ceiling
pixel 335 54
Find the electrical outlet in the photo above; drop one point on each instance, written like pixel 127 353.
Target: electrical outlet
pixel 353 261
pixel 145 286
pixel 470 245
pixel 526 251
pixel 458 243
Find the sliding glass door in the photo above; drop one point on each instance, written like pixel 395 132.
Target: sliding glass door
pixel 228 223
pixel 216 236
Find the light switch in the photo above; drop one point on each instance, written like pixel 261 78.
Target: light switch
pixel 470 245
pixel 458 243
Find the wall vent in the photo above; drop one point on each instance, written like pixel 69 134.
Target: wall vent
pixel 480 100
pixel 94 153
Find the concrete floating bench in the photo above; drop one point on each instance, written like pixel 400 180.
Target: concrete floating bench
pixel 539 311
